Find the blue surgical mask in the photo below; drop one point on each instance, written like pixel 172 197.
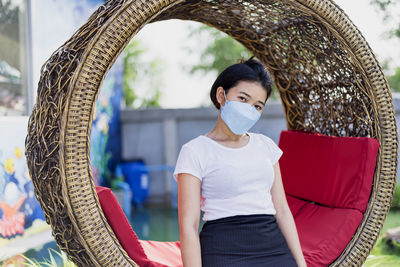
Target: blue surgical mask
pixel 239 116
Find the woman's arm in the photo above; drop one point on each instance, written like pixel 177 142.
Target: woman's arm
pixel 189 216
pixel 285 219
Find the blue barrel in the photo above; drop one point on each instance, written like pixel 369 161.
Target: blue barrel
pixel 137 176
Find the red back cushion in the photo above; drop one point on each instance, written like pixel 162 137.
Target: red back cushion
pixel 119 223
pixel 329 170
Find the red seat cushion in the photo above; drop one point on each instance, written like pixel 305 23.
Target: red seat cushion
pixel 324 232
pixel 333 171
pixel 144 253
pixel 295 205
pixel 168 253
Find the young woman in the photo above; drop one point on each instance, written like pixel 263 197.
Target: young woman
pixel 233 176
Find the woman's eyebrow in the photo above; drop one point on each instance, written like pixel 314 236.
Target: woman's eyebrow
pixel 251 97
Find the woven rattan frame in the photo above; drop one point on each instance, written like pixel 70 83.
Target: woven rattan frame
pixel 327 76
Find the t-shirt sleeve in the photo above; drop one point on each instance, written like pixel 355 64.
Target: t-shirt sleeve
pixel 275 151
pixel 187 162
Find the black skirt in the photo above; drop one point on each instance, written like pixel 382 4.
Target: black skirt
pixel 244 240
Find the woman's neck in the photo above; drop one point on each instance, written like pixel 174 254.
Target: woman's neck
pixel 221 132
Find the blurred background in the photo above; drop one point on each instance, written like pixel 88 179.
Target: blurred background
pixel 154 99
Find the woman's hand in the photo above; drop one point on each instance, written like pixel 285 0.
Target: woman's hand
pixel 285 219
pixel 189 215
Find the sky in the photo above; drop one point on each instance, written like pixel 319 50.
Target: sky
pixel 165 41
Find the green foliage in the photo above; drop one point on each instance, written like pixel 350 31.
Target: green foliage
pixel 221 52
pixel 8 17
pixel 382 261
pixel 142 78
pixel 396 199
pixel 51 262
pixel 394 80
pixel 382 254
pixel 388 9
pixel 218 53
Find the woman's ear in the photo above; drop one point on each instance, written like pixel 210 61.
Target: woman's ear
pixel 220 95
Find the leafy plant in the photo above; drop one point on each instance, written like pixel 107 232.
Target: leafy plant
pixel 51 262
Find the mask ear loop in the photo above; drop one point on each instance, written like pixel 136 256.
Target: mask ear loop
pixel 226 100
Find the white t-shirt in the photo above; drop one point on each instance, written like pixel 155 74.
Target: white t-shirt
pixel 234 181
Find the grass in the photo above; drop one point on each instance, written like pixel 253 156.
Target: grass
pixel 382 254
pixel 382 261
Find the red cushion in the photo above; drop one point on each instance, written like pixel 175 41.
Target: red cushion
pixel 295 205
pixel 330 170
pixel 168 252
pixel 324 232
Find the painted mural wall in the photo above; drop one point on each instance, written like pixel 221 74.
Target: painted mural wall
pixel 20 212
pixel 105 132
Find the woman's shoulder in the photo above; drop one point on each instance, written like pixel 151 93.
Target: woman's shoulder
pixel 194 142
pixel 264 138
pixel 260 136
pixel 195 146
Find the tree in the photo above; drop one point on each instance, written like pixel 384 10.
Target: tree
pixel 217 53
pixel 9 33
pixel 389 9
pixel 394 80
pixel 142 78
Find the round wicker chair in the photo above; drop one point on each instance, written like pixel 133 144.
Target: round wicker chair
pixel 327 76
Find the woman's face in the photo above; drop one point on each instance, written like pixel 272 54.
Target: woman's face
pixel 245 91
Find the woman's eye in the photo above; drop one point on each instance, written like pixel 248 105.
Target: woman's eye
pixel 258 107
pixel 242 98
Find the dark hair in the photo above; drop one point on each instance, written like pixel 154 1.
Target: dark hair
pixel 248 70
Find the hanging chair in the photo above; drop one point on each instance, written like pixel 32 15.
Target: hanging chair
pixel 329 81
